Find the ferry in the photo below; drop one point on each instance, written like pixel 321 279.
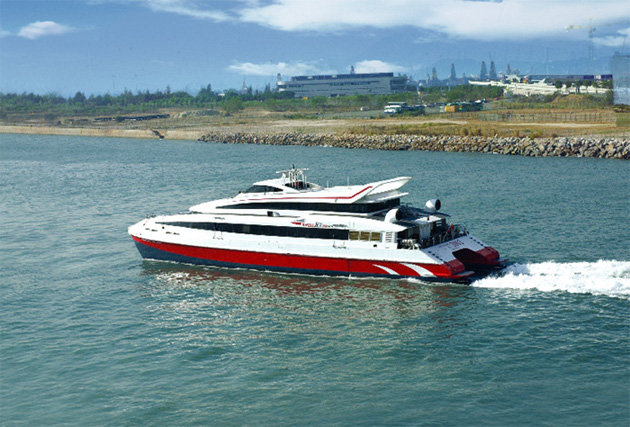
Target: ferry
pixel 289 224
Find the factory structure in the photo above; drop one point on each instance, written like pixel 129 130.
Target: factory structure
pixel 345 84
pixel 620 65
pixel 387 83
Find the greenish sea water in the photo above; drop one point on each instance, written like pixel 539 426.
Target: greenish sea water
pixel 91 334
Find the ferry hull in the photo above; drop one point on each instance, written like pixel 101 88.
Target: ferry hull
pixel 292 225
pixel 449 271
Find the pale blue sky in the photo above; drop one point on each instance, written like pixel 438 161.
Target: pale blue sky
pixel 107 46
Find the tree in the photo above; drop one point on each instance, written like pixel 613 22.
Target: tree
pixel 79 98
pixel 232 105
pixel 206 95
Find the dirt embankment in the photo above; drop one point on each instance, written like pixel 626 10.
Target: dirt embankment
pixel 456 133
pixel 104 132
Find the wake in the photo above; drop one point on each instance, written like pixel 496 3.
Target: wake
pixel 610 278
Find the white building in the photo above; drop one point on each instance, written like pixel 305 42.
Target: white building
pixel 344 84
pixel 540 88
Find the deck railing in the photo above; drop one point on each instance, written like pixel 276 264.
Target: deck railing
pixel 438 236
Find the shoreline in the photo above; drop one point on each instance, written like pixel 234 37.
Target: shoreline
pixel 103 132
pixel 598 147
pixel 580 146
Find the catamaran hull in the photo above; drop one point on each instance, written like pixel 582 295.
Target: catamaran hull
pixel 299 263
pixel 289 224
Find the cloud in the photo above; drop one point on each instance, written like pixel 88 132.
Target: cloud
pixel 186 8
pixel 486 20
pixel 39 29
pixel 4 33
pixel 377 66
pixel 614 40
pixel 297 68
pixel 481 20
pixel 305 68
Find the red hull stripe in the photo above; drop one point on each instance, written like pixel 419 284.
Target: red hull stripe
pixel 325 265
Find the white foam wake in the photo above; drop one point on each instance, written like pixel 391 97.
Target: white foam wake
pixel 611 278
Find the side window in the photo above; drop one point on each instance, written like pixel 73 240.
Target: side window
pixel 365 236
pixel 375 236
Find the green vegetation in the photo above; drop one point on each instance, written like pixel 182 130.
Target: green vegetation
pixel 51 106
pixel 559 101
pixel 533 116
pixel 461 93
pixel 126 102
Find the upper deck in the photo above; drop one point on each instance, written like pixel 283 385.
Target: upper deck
pixel 292 192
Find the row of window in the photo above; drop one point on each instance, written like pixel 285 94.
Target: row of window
pixel 366 236
pixel 326 84
pixel 343 76
pixel 265 230
pixel 262 189
pixel 364 208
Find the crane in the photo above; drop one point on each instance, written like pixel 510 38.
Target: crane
pixel 591 29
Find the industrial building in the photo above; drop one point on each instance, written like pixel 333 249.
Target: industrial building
pixel 344 84
pixel 620 65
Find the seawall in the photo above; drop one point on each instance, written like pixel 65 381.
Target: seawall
pixel 601 147
pixel 617 147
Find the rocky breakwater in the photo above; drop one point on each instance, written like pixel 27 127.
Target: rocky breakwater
pixel 609 147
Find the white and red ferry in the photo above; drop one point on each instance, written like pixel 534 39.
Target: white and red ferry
pixel 292 225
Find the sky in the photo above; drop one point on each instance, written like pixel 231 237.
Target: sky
pixel 108 46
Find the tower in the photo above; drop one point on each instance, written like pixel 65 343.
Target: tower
pixel 483 75
pixel 493 71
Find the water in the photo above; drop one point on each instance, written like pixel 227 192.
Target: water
pixel 93 335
